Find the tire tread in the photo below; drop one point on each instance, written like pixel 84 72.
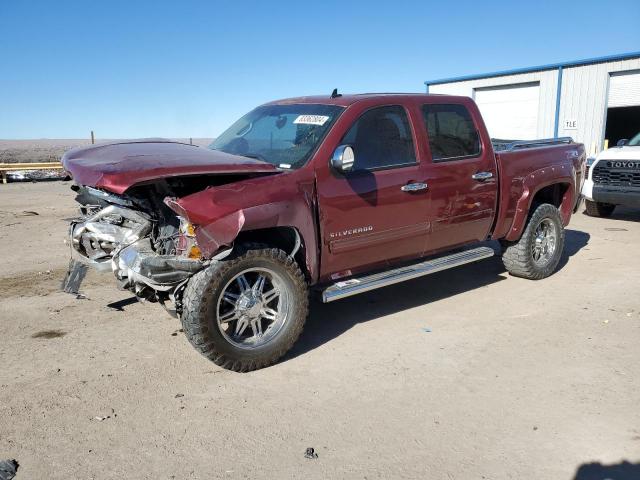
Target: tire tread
pixel 516 256
pixel 195 308
pixel 597 209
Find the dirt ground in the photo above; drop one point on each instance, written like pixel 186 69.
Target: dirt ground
pixel 466 374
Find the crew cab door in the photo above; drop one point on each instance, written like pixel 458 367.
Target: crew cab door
pixel 462 173
pixel 376 213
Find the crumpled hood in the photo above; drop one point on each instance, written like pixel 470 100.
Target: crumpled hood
pixel 120 165
pixel 620 153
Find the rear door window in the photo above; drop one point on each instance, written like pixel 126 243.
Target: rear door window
pixel 451 131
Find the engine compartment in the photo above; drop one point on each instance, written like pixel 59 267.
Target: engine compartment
pixel 136 236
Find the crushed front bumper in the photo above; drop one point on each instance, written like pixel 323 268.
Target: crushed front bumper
pixel 117 239
pixel 138 266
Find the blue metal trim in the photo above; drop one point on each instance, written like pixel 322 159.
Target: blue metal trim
pixel 552 66
pixel 558 96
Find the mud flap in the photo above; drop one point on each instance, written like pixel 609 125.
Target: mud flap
pixel 74 277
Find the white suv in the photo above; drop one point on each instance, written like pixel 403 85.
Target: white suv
pixel 613 178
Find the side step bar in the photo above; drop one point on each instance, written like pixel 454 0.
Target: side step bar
pixel 355 286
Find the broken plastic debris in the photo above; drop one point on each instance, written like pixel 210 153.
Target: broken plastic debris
pixel 100 419
pixel 8 469
pixel 310 453
pixel 74 277
pixel 426 329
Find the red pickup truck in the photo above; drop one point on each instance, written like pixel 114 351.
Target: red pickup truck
pixel 336 194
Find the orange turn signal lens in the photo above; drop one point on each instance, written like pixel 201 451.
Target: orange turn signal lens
pixel 194 252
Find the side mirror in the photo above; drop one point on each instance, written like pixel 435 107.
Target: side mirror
pixel 622 142
pixel 343 158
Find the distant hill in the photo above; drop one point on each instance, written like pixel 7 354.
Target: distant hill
pixel 51 150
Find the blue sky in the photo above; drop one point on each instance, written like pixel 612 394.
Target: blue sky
pixel 190 68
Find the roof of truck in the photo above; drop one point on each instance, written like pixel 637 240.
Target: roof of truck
pixel 346 99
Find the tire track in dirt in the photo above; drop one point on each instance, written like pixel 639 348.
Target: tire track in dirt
pixel 32 284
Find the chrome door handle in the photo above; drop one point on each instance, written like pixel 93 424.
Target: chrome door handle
pixel 480 176
pixel 413 187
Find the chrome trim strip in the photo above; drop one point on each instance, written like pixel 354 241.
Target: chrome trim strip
pixel 356 242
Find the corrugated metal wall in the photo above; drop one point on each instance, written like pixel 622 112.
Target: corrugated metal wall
pixel 584 98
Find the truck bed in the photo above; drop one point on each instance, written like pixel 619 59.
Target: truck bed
pixel 528 166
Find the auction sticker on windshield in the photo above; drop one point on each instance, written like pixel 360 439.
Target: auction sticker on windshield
pixel 311 119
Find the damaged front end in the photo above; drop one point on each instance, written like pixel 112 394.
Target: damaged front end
pixel 149 249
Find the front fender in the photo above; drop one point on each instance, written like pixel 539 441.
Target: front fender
pixel 221 213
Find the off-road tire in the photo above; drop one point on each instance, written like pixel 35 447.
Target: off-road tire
pixel 597 209
pixel 517 256
pixel 200 302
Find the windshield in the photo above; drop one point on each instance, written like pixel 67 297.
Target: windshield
pixel 283 135
pixel 635 141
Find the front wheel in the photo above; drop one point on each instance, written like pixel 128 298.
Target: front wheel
pixel 537 254
pixel 246 312
pixel 599 209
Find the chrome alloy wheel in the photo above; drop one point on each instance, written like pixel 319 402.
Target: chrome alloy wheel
pixel 545 240
pixel 253 307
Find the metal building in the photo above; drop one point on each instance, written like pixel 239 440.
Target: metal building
pixel 595 101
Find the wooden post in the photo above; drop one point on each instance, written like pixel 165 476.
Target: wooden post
pixel 93 138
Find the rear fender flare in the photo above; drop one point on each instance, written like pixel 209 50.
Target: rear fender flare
pixel 531 185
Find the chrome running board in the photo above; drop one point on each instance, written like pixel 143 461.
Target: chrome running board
pixel 355 286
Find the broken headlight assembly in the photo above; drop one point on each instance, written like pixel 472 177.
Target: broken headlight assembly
pixel 186 245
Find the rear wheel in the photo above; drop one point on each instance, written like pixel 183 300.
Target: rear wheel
pixel 537 254
pixel 246 312
pixel 598 209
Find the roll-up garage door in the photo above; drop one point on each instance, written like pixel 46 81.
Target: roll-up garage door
pixel 510 111
pixel 624 89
